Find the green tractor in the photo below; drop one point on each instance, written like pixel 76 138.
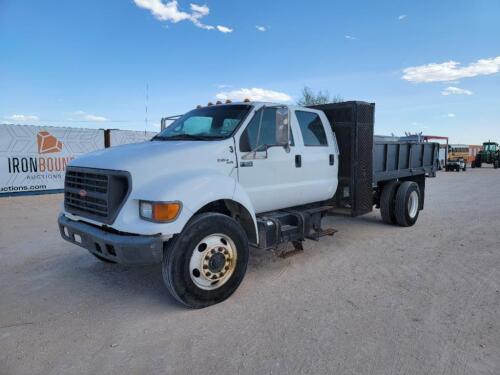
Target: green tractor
pixel 489 155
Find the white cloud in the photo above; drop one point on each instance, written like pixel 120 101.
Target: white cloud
pixel 89 117
pixel 24 118
pixel 169 11
pixel 254 94
pixel 451 71
pixel 350 37
pixel 201 10
pixel 261 28
pixel 455 91
pixel 402 17
pixel 451 115
pixel 164 11
pixel 224 29
pixel 95 118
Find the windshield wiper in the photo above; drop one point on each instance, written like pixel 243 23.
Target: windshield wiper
pixel 185 137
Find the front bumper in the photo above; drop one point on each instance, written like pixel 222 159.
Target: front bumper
pixel 119 248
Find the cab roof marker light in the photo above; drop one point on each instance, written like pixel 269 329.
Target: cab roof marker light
pixel 218 102
pixel 228 101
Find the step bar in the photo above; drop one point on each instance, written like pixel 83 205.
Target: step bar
pixel 292 225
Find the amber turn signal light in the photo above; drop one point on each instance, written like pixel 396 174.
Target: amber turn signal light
pixel 160 212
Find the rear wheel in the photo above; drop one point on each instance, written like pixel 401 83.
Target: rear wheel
pixel 206 263
pixel 407 204
pixel 387 202
pixel 496 164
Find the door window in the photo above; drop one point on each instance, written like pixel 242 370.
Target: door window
pixel 252 138
pixel 311 128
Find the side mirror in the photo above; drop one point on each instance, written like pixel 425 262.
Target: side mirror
pixel 282 127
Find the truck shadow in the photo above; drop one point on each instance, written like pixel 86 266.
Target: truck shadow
pixel 115 282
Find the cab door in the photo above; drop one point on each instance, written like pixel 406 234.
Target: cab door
pixel 267 172
pixel 317 146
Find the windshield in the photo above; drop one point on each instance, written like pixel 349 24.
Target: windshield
pixel 490 147
pixel 207 123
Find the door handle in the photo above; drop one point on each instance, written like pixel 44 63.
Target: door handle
pixel 332 159
pixel 298 161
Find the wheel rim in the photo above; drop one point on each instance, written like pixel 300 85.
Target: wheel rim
pixel 213 261
pixel 413 204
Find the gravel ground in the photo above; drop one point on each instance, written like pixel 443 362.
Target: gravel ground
pixel 374 299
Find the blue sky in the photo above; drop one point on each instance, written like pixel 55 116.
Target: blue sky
pixel 430 66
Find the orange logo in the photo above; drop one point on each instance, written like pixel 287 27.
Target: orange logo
pixel 47 143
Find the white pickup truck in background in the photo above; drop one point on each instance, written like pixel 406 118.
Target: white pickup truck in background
pixel 225 177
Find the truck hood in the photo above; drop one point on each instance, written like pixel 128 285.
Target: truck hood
pixel 160 157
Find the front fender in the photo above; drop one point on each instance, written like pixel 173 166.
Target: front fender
pixel 194 188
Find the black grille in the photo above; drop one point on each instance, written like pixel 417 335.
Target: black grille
pixel 95 193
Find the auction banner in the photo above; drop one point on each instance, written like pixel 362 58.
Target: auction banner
pixel 122 137
pixel 34 158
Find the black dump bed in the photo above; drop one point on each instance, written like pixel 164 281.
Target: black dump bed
pixel 365 161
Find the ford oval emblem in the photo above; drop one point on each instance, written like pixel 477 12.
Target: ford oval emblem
pixel 82 193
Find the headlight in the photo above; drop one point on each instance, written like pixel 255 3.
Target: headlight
pixel 159 212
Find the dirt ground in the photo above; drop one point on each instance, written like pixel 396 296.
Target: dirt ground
pixel 374 299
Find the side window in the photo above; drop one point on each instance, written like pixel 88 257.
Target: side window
pixel 311 128
pixel 267 136
pixel 251 138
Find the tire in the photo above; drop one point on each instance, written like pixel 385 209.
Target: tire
pixel 387 202
pixel 495 165
pixel 478 164
pixel 464 168
pixel 184 281
pixel 406 213
pixel 102 259
pixel 473 164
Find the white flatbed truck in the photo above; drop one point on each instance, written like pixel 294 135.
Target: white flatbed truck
pixel 223 178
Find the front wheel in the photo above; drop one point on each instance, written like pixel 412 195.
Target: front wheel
pixel 206 263
pixel 407 204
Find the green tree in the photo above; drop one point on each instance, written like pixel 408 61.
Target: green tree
pixel 309 97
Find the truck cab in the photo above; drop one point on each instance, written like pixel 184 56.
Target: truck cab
pixel 123 204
